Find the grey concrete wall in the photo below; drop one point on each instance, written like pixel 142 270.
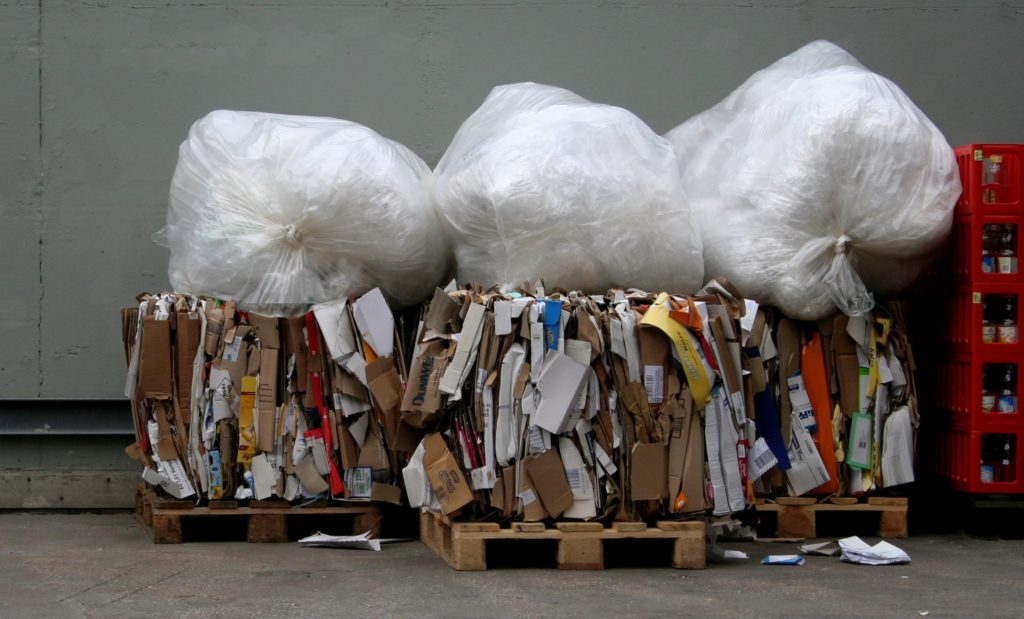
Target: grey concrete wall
pixel 96 96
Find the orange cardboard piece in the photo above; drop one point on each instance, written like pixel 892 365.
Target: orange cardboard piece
pixel 817 384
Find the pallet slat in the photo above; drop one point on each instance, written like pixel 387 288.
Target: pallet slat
pixel 580 544
pixel 799 519
pixel 267 522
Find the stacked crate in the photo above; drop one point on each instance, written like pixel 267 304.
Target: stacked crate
pixel 979 379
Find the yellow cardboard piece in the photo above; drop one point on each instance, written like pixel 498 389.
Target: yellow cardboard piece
pixel 246 423
pixel 659 316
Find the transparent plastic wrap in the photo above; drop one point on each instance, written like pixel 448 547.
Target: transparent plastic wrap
pixel 817 183
pixel 541 183
pixel 278 212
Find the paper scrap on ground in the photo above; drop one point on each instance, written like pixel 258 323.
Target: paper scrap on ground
pixel 735 554
pixel 856 550
pixel 783 560
pixel 359 542
pixel 827 549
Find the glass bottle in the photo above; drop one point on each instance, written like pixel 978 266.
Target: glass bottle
pixel 988 238
pixel 988 394
pixel 1008 393
pixel 991 178
pixel 988 323
pixel 1006 262
pixel 1006 472
pixel 1006 328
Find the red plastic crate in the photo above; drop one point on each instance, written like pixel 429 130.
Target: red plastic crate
pixel 966 249
pixel 980 164
pixel 962 455
pixel 960 391
pixel 962 318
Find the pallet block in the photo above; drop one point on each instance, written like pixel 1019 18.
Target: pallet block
pixel 797 516
pixel 463 545
pixel 265 521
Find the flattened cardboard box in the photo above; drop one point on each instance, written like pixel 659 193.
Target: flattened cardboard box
pixel 655 356
pixel 155 360
pixel 445 475
pixel 648 472
pixel 186 346
pixel 547 474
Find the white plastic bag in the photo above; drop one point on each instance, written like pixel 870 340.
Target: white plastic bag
pixel 539 183
pixel 278 212
pixel 816 183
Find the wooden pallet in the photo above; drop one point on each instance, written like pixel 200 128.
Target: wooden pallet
pixel 463 545
pixel 797 516
pixel 171 521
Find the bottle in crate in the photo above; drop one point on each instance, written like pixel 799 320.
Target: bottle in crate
pixel 1006 328
pixel 988 248
pixel 1008 392
pixel 1006 255
pixel 1006 472
pixel 988 391
pixel 991 176
pixel 988 322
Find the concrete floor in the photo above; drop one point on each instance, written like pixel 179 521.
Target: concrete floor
pixel 103 565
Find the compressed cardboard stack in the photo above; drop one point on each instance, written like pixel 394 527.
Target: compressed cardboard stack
pixel 630 405
pixel 229 404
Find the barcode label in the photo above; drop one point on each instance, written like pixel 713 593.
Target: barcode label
pixel 654 382
pixel 860 441
pixel 801 403
pixel 575 478
pixel 763 459
pixel 537 442
pixel 677 427
pixel 527 496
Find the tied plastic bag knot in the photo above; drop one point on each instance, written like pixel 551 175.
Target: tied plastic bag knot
pixel 292 236
pixel 845 287
pixel 844 245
